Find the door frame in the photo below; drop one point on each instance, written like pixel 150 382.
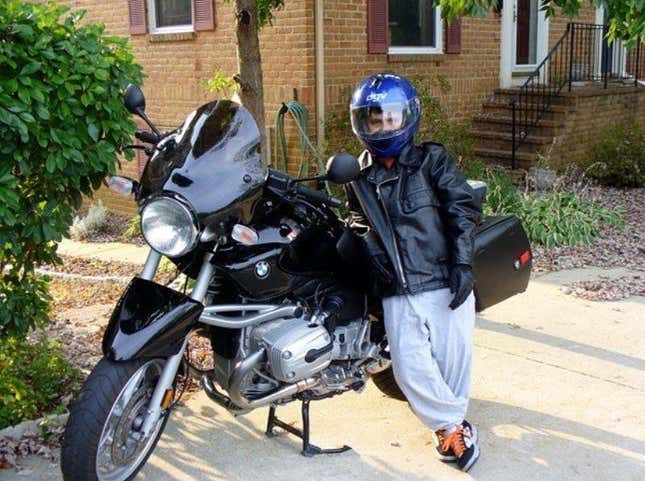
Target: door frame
pixel 507 66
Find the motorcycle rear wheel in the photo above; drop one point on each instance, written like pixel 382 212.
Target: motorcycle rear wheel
pixel 101 440
pixel 386 383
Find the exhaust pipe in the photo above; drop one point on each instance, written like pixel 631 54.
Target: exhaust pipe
pixel 237 403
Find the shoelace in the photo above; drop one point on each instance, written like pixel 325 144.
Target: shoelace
pixel 455 440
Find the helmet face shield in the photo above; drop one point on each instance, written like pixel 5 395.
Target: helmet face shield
pixel 382 121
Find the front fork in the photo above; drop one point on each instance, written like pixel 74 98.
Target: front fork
pixel 173 362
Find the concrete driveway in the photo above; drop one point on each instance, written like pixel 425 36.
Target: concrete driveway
pixel 558 394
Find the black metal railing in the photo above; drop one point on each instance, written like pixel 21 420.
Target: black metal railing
pixel 582 54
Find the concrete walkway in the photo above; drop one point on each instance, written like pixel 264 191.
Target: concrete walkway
pixel 107 251
pixel 558 394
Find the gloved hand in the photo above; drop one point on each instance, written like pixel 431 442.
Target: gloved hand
pixel 461 284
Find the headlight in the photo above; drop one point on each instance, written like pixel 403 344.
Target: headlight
pixel 169 227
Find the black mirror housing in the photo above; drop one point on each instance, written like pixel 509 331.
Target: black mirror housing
pixel 342 168
pixel 134 99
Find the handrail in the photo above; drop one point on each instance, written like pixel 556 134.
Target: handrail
pixel 581 54
pixel 529 114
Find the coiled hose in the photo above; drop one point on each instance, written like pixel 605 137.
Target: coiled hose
pixel 300 115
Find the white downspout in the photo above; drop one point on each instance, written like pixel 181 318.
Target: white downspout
pixel 320 71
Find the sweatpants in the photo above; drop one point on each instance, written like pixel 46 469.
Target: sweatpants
pixel 431 347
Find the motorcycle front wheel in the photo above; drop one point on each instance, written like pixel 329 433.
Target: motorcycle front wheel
pixel 103 439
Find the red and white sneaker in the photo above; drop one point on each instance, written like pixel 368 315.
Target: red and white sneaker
pixel 464 448
pixel 448 455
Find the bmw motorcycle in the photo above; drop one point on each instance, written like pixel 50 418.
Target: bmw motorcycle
pixel 273 287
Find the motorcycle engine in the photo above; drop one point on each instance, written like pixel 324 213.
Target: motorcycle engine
pixel 295 348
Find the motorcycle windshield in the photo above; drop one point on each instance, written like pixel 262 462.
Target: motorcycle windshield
pixel 215 162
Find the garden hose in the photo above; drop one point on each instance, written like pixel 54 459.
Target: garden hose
pixel 300 115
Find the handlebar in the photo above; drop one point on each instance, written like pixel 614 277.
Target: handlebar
pixel 147 137
pixel 283 182
pixel 317 196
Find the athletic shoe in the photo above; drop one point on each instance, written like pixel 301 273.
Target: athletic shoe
pixel 463 447
pixel 440 436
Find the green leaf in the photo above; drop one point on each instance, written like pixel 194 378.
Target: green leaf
pixel 93 131
pixel 30 68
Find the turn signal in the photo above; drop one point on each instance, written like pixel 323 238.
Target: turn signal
pixel 525 257
pixel 244 235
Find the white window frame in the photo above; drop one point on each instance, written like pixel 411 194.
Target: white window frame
pixel 437 49
pixel 152 21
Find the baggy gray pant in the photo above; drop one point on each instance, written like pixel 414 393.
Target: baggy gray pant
pixel 431 347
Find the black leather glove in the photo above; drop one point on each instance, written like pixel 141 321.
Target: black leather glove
pixel 461 284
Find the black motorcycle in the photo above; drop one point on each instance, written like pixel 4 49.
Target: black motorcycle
pixel 277 288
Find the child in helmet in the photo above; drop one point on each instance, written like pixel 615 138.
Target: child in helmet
pixel 420 213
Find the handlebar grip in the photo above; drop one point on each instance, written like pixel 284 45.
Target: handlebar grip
pixel 147 137
pixel 318 196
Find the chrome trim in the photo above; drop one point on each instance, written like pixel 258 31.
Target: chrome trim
pixel 264 313
pixel 151 265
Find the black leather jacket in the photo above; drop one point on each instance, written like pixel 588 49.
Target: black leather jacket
pixel 422 210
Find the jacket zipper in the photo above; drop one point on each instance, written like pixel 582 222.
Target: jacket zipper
pixel 389 222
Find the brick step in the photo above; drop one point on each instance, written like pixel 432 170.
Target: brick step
pixel 501 107
pixel 523 160
pixel 485 121
pixel 506 94
pixel 501 135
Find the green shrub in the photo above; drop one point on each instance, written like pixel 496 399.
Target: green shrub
pixel 93 222
pixel 550 219
pixel 133 229
pixel 61 123
pixel 33 378
pixel 618 159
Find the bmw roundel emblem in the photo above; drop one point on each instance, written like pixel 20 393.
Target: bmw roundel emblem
pixel 262 269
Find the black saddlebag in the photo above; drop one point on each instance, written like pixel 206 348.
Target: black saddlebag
pixel 503 260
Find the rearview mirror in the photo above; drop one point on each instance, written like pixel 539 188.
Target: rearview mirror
pixel 342 168
pixel 134 99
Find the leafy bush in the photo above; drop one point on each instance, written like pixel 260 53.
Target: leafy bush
pixel 93 222
pixel 33 378
pixel 61 123
pixel 618 159
pixel 550 219
pixel 133 229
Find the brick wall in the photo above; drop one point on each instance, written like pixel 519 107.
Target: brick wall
pixel 175 66
pixel 473 73
pixel 619 105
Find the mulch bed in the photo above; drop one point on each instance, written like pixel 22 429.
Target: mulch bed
pixel 113 230
pixel 613 248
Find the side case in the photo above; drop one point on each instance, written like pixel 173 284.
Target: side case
pixel 503 260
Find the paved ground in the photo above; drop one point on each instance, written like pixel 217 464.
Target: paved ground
pixel 558 394
pixel 108 251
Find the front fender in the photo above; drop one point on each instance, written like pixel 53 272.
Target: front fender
pixel 150 320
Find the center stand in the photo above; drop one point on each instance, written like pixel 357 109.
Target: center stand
pixel 308 449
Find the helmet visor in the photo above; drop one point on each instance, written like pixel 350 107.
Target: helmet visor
pixel 382 121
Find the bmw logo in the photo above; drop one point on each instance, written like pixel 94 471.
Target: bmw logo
pixel 262 269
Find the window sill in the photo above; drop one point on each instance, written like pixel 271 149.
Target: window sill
pixel 171 37
pixel 437 58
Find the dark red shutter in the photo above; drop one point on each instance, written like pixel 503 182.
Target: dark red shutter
pixel 377 19
pixel 137 16
pixel 453 36
pixel 204 14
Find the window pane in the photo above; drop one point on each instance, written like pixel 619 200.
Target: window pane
pixel 412 23
pixel 173 12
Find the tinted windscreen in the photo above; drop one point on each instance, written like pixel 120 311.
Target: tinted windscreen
pixel 215 162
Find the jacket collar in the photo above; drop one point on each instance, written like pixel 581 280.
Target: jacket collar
pixel 377 173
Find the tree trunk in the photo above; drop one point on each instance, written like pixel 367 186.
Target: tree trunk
pixel 249 62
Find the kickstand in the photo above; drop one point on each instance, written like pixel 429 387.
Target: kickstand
pixel 308 449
